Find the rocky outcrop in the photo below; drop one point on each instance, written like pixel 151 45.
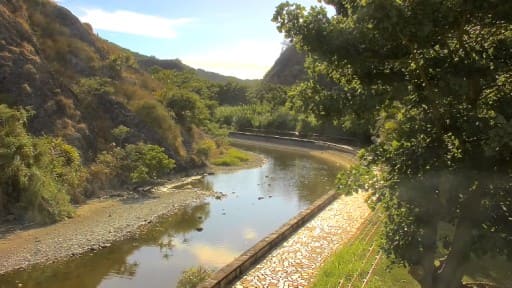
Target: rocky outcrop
pixel 288 68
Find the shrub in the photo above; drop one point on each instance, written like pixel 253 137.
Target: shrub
pixel 205 148
pixel 146 162
pixel 192 277
pixel 232 157
pixel 120 133
pixel 40 174
pixel 156 116
pixel 135 164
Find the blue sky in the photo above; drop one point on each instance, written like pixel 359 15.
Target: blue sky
pixel 231 37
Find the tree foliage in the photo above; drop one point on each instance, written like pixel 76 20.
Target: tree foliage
pixel 187 97
pixel 432 80
pixel 232 93
pixel 40 174
pixel 133 164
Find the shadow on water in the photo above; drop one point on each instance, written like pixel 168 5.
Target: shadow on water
pixel 211 234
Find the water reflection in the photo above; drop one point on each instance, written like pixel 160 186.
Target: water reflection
pixel 114 262
pixel 211 234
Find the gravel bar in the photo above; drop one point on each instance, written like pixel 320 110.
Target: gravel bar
pixel 96 225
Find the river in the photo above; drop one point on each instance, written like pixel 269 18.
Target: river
pixel 211 234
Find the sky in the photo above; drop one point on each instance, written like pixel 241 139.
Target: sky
pixel 231 37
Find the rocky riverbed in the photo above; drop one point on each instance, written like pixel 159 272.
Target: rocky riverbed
pixel 96 225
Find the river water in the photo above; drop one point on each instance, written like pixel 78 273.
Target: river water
pixel 211 234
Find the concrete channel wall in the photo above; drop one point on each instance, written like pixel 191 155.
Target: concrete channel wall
pixel 243 263
pixel 300 142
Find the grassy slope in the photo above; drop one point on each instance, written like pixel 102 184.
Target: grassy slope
pixel 352 263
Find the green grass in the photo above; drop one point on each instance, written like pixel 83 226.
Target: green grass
pixel 352 263
pixel 348 265
pixel 496 270
pixel 232 157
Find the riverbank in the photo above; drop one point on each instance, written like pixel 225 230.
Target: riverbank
pixel 100 222
pixel 341 159
pixel 96 225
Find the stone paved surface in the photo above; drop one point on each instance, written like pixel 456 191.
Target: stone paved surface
pixel 296 261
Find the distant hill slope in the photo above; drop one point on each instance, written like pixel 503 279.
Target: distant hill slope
pixel 146 62
pixel 288 69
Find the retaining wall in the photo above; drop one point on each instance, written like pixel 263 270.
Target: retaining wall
pixel 305 143
pixel 243 263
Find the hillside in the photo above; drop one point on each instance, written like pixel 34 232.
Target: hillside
pixel 148 62
pixel 80 116
pixel 45 53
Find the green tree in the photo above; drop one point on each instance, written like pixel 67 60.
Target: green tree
pixel 432 79
pixel 232 93
pixel 40 175
pixel 273 94
pixel 135 164
pixel 189 98
pixel 146 162
pixel 120 133
pixel 186 106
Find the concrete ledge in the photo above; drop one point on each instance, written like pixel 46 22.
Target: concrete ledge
pixel 243 263
pixel 306 143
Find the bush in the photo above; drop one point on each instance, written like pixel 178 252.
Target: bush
pixel 156 116
pixel 146 162
pixel 135 164
pixel 258 116
pixel 40 174
pixel 192 277
pixel 232 157
pixel 205 148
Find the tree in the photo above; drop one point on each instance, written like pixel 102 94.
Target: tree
pixel 186 106
pixel 40 175
pixel 120 133
pixel 433 81
pixel 186 96
pixel 272 94
pixel 231 93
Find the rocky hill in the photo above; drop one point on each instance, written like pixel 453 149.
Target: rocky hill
pixel 288 69
pixel 80 86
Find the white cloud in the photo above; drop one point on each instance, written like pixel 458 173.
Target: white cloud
pixel 249 234
pixel 209 255
pixel 133 23
pixel 247 59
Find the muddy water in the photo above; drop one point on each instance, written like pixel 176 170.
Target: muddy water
pixel 211 234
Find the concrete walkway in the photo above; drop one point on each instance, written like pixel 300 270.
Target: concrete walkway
pixel 296 262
